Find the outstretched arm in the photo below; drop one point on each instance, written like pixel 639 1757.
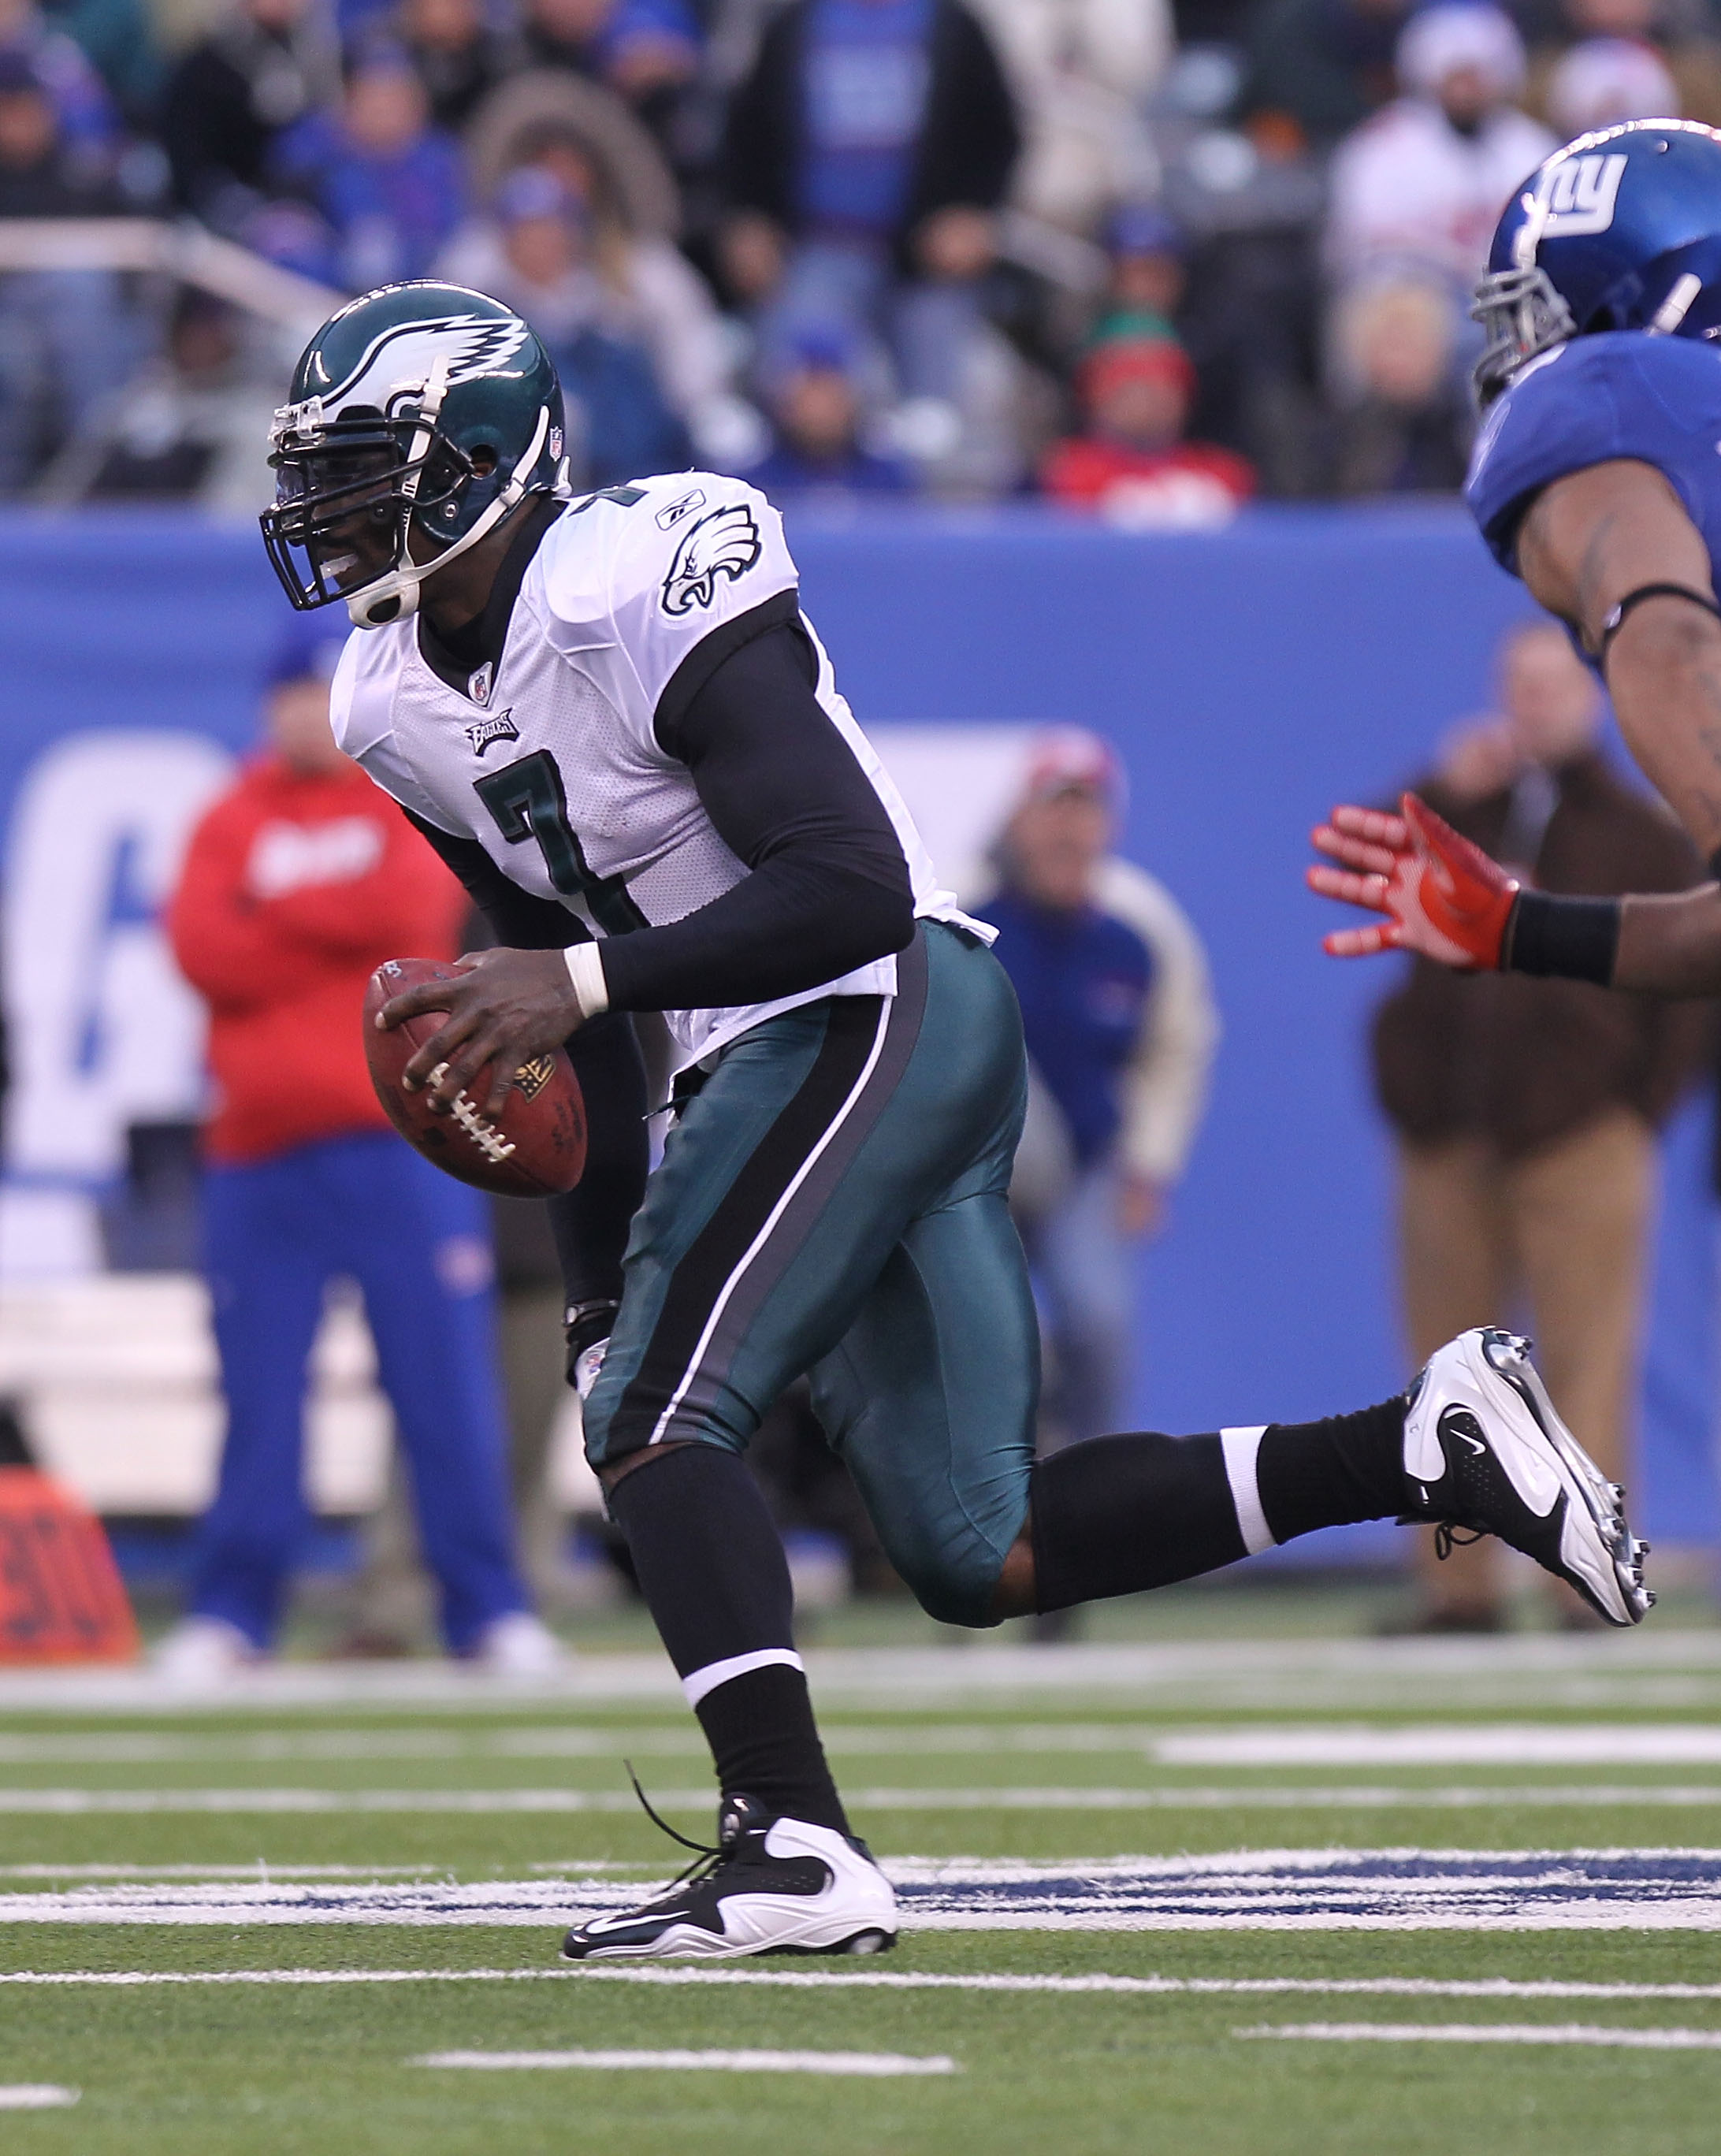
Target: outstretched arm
pixel 1590 540
pixel 1436 894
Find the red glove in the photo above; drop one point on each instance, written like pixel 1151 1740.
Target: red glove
pixel 1442 897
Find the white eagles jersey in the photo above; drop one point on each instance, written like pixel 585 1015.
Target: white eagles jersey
pixel 551 762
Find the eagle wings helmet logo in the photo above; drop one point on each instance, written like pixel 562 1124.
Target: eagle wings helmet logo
pixel 726 543
pixel 402 357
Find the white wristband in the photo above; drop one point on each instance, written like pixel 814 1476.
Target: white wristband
pixel 585 969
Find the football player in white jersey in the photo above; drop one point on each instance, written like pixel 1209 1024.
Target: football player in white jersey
pixel 611 716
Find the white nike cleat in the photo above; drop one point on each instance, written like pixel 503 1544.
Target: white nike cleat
pixel 1484 1449
pixel 771 1885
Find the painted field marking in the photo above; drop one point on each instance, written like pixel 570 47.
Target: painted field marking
pixel 1541 1668
pixel 261 1874
pixel 1499 2032
pixel 76 1802
pixel 1403 1889
pixel 1475 1744
pixel 870 2063
pixel 1385 1987
pixel 35 2095
pixel 1435 1744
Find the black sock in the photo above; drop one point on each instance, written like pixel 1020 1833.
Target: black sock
pixel 712 1568
pixel 1327 1474
pixel 1119 1515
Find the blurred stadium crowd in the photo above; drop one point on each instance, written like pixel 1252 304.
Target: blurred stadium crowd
pixel 1146 256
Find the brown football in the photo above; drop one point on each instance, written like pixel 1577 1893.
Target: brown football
pixel 536 1146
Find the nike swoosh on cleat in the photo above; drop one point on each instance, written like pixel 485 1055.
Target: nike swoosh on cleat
pixel 1474 1444
pixel 623 1923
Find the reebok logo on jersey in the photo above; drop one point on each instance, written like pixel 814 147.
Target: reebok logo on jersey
pixel 498 726
pixel 679 510
pixel 726 543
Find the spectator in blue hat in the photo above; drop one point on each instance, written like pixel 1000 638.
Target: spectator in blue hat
pixel 620 422
pixel 1147 258
pixel 815 409
pixel 389 183
pixel 298 881
pixel 60 64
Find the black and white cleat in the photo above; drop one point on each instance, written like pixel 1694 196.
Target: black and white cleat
pixel 770 1885
pixel 1484 1450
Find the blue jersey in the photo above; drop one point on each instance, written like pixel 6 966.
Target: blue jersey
pixel 1623 393
pixel 1083 980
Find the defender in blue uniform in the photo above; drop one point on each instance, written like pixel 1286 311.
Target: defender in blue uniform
pixel 1597 480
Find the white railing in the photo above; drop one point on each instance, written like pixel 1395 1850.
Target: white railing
pixel 181 249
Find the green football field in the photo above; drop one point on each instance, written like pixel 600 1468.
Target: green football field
pixel 1242 1887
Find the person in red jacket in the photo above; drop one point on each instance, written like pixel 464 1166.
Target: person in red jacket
pixel 297 883
pixel 1131 462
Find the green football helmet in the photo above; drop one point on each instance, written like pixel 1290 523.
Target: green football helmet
pixel 418 416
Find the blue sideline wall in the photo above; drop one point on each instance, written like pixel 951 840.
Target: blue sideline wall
pixel 1249 679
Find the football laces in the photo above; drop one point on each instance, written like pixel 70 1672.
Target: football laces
pixel 483 1133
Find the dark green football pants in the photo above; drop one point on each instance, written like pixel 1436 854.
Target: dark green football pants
pixel 833 1202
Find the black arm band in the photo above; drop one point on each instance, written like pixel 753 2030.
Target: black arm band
pixel 1618 615
pixel 1576 939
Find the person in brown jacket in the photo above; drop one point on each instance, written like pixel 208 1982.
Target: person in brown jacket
pixel 1525 1110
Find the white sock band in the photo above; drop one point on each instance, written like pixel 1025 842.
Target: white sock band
pixel 720 1673
pixel 585 968
pixel 1240 1447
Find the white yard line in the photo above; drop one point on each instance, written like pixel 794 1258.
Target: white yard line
pixel 1393 1987
pixel 35 2095
pixel 871 2064
pixel 1502 1744
pixel 1030 1798
pixel 259 1873
pixel 1540 1667
pixel 1475 1744
pixel 1499 2032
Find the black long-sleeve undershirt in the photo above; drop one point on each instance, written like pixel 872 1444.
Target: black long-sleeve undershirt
pixel 829 888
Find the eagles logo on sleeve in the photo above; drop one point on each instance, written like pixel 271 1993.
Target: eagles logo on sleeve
pixel 725 544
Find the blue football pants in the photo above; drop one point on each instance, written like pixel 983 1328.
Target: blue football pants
pixel 417 1243
pixel 833 1201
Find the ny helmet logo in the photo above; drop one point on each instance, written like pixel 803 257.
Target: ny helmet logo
pixel 1581 195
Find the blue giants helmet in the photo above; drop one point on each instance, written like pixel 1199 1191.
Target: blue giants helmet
pixel 1620 230
pixel 418 418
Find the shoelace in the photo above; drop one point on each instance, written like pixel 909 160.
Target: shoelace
pixel 1448 1536
pixel 708 1856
